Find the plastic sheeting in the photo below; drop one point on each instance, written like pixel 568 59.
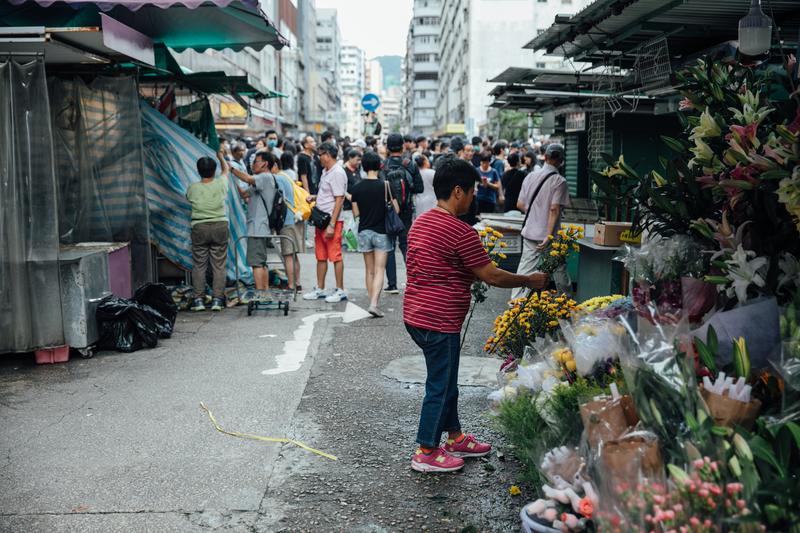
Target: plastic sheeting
pixel 30 301
pixel 171 155
pixel 100 171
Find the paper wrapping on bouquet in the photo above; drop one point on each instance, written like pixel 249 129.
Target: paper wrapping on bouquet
pixel 629 461
pixel 629 409
pixel 729 412
pixel 603 420
pixel 757 321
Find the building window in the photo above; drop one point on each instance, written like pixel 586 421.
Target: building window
pixel 540 31
pixel 426 76
pixel 541 65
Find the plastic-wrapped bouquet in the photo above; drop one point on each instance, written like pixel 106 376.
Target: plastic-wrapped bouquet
pixel 699 502
pixel 527 319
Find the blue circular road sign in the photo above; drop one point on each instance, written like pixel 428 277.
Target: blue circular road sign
pixel 370 102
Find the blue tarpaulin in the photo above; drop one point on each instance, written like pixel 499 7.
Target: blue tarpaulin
pixel 170 157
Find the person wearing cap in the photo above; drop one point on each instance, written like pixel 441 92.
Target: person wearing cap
pixel 414 185
pixel 544 193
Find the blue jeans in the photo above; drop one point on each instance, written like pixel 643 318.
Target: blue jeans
pixel 402 239
pixel 440 406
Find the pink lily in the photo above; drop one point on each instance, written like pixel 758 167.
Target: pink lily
pixel 746 133
pixel 685 104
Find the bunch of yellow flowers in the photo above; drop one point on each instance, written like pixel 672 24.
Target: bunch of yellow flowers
pixel 565 359
pixel 491 241
pixel 597 303
pixel 559 247
pixel 529 318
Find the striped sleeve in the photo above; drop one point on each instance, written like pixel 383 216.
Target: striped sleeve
pixel 471 251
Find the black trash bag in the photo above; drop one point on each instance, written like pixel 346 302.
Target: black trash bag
pixel 157 296
pixel 127 326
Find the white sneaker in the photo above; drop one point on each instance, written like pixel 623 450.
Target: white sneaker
pixel 316 294
pixel 336 296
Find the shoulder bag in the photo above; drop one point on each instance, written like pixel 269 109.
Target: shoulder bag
pixel 319 218
pixel 394 226
pixel 533 198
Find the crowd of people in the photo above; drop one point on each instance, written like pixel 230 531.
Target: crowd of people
pixel 359 180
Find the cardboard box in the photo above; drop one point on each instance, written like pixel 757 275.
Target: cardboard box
pixel 607 233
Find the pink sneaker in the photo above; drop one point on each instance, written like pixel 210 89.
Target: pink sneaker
pixel 436 461
pixel 468 447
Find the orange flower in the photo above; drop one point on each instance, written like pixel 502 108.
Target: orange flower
pixel 586 507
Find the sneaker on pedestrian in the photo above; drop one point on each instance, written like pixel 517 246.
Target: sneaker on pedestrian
pixel 468 446
pixel 217 304
pixel 436 461
pixel 391 289
pixel 336 296
pixel 316 294
pixel 198 305
pixel 375 312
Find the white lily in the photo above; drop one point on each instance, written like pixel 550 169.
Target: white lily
pixel 708 127
pixel 745 269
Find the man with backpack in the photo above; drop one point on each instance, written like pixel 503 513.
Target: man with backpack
pixel 266 211
pixel 405 181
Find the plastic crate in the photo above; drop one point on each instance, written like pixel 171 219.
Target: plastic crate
pixel 46 356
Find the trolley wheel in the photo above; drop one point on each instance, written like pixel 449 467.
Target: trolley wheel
pixel 87 352
pixel 249 308
pixel 285 308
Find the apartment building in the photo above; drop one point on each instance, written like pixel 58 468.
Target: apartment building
pixel 421 68
pixel 352 73
pixel 478 39
pixel 328 62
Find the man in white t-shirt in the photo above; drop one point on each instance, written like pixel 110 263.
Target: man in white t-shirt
pixel 544 192
pixel 328 241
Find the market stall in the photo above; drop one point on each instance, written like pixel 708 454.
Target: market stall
pixel 84 166
pixel 676 408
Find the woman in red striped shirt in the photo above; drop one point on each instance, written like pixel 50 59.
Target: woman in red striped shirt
pixel 445 255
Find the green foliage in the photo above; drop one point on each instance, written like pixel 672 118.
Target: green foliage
pixel 707 351
pixel 510 124
pixel 613 187
pixel 776 452
pixel 535 423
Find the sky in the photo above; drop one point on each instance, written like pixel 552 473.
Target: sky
pixel 379 27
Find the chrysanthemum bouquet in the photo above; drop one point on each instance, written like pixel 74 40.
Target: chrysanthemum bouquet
pixel 527 319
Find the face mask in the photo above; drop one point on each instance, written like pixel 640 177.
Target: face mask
pixel 272 143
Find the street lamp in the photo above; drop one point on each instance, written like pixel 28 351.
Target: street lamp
pixel 755 31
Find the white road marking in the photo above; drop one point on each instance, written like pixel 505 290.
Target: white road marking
pixel 296 350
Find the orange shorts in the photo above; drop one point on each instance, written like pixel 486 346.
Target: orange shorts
pixel 329 249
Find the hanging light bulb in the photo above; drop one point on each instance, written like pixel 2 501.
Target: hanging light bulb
pixel 755 31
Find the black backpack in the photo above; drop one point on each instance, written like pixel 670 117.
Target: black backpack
pixel 400 179
pixel 277 215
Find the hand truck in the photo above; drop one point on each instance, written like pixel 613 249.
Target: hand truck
pixel 261 305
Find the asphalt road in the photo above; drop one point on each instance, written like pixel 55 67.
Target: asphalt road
pixel 119 442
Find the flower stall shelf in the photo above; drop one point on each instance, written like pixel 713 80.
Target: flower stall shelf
pixel 599 274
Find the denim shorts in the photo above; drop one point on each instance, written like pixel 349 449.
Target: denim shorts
pixel 370 241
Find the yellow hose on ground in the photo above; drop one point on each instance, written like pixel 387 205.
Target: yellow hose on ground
pixel 264 439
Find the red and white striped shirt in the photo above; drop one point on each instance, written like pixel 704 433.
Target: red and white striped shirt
pixel 442 251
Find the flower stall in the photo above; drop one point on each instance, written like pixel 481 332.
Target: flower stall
pixel 676 408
